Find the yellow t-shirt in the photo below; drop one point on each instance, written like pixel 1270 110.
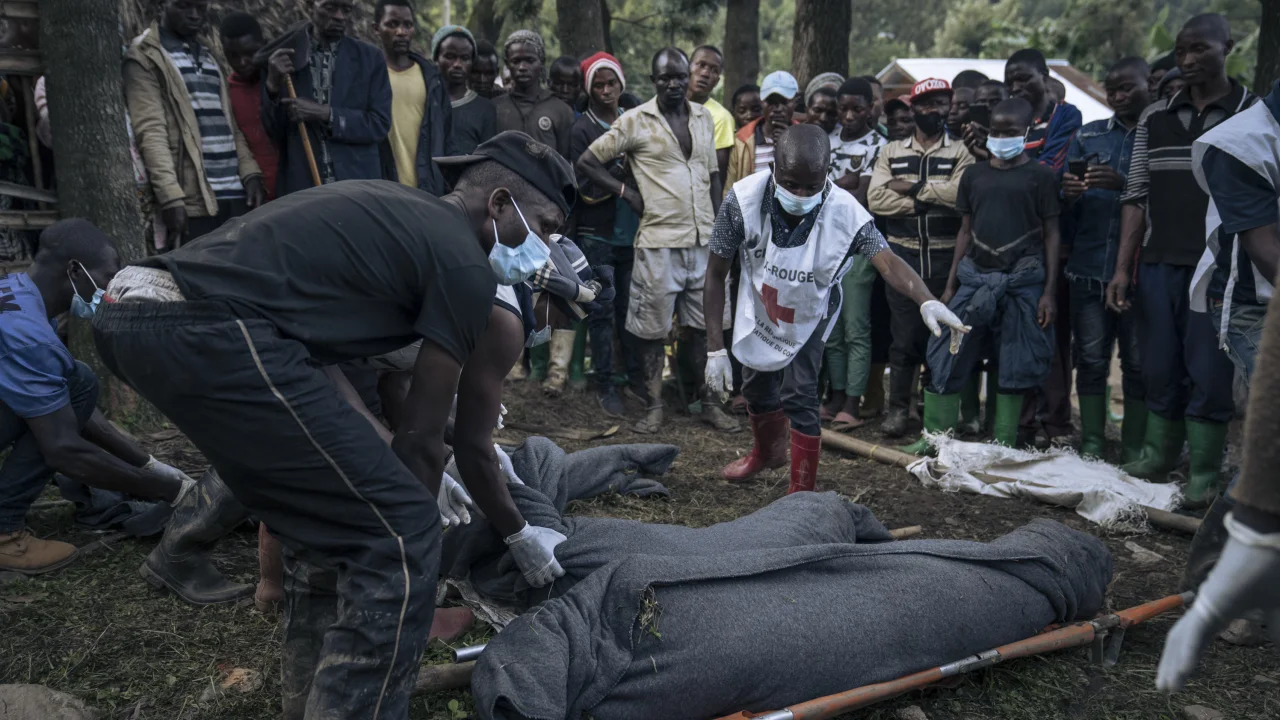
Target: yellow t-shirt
pixel 724 123
pixel 408 99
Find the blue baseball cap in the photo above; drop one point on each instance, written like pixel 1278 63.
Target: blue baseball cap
pixel 781 83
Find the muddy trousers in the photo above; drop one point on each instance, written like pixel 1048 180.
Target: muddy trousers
pixel 306 463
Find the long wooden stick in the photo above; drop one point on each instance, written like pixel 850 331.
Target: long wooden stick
pixel 1075 635
pixel 306 139
pixel 435 678
pixel 890 456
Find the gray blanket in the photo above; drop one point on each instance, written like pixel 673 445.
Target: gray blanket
pixel 699 637
pixel 552 479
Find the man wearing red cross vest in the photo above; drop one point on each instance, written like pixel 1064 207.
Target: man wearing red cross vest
pixel 796 235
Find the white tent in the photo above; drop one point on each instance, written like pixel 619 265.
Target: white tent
pixel 899 75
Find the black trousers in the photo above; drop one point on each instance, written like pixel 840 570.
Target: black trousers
pixel 202 225
pixel 313 469
pixel 910 337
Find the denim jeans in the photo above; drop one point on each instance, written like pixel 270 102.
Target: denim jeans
pixel 1185 373
pixel 793 389
pixel 1097 330
pixel 1244 333
pixel 25 472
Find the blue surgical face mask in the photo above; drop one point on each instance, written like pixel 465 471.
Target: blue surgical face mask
pixel 1006 148
pixel 516 264
pixel 795 204
pixel 79 307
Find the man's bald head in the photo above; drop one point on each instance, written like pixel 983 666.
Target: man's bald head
pixel 800 160
pixel 803 146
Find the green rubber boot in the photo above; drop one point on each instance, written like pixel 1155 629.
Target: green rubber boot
pixel 1133 429
pixel 1207 441
pixel 538 358
pixel 1161 448
pixel 1008 411
pixel 970 405
pixel 1093 426
pixel 578 362
pixel 941 413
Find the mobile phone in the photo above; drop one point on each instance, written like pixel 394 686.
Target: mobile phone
pixel 1078 167
pixel 980 115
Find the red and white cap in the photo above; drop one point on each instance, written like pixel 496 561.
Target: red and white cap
pixel 930 85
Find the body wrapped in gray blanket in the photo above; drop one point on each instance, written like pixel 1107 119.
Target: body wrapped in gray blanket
pixel 700 637
pixel 476 553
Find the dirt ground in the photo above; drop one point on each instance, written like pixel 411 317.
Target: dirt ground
pixel 98 631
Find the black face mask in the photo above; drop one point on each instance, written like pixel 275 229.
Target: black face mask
pixel 929 123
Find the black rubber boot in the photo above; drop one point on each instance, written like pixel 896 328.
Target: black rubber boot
pixel 901 383
pixel 310 607
pixel 180 563
pixel 1208 543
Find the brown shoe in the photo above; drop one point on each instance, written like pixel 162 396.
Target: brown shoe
pixel 24 553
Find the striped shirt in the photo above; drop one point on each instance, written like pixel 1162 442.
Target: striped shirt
pixel 203 78
pixel 1160 176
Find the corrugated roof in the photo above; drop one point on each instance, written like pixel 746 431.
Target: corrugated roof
pixel 947 69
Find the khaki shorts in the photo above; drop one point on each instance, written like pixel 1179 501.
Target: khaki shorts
pixel 666 282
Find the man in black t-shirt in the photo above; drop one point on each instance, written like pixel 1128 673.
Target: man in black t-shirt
pixel 1003 277
pixel 235 337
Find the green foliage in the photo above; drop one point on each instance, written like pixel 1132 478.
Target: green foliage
pixel 979 28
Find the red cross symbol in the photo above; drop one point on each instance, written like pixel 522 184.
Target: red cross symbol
pixel 778 314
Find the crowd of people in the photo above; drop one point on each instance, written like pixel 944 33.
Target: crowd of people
pixel 386 236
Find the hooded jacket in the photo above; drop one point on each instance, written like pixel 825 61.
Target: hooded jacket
pixel 167 132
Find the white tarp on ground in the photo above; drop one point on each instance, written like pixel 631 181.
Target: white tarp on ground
pixel 1097 491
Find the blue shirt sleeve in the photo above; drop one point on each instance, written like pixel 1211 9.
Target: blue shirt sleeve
pixel 1245 199
pixel 32 381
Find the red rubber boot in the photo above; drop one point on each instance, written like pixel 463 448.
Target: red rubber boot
pixel 768 447
pixel 805 450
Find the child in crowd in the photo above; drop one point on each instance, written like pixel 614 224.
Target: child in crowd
pixel 1003 277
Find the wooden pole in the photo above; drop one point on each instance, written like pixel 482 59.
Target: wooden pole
pixel 1160 518
pixel 437 678
pixel 306 139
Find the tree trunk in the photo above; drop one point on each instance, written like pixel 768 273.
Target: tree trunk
pixel 486 23
pixel 1268 69
pixel 606 22
pixel 579 27
pixel 81 44
pixel 821 40
pixel 741 45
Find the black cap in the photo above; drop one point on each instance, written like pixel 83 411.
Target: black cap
pixel 539 164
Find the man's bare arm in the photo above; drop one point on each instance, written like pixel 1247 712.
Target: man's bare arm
pixel 900 276
pixel 1263 246
pixel 713 298
pixel 717 191
pixel 1133 226
pixel 479 403
pixel 68 452
pixel 419 441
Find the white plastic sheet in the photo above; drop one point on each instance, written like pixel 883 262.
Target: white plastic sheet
pixel 1097 491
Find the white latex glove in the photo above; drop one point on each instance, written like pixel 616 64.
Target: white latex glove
pixel 170 472
pixel 936 315
pixel 534 550
pixel 1245 579
pixel 504 462
pixel 719 373
pixel 455 504
pixel 502 413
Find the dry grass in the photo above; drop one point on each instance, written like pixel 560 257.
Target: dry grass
pixel 98 631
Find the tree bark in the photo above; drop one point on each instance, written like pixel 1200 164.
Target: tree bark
pixel 486 22
pixel 741 45
pixel 821 39
pixel 1268 68
pixel 81 48
pixel 606 22
pixel 579 27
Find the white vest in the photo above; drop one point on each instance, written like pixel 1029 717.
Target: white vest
pixel 784 292
pixel 1251 136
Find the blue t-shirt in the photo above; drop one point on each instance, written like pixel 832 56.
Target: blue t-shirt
pixel 34 364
